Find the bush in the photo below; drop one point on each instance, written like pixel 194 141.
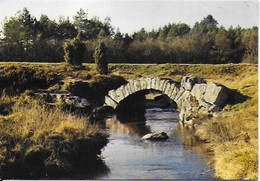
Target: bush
pixel 74 51
pixel 101 58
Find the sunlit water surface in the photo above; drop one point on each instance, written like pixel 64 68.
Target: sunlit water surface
pixel 129 157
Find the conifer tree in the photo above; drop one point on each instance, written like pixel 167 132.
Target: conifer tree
pixel 101 58
pixel 74 51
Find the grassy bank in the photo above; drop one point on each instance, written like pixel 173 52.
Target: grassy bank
pixel 231 137
pixel 37 141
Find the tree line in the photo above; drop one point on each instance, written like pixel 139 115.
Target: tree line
pixel 25 38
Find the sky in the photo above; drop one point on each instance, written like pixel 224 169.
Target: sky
pixel 132 15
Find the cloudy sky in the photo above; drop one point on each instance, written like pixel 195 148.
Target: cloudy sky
pixel 131 15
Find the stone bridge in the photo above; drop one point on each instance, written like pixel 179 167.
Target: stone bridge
pixel 193 95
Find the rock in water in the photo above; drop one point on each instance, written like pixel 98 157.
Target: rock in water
pixel 160 135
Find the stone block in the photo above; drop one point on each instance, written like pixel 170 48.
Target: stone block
pixel 143 83
pixel 153 83
pixel 157 83
pixel 170 90
pixel 179 93
pixel 199 90
pixel 215 94
pixel 149 82
pixel 138 85
pixel 120 95
pixel 110 102
pixel 181 100
pixel 112 94
pixel 131 86
pixel 174 92
pixel 126 91
pixel 128 88
pixel 161 84
pixel 165 86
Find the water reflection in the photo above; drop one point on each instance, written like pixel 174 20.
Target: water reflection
pixel 99 170
pixel 129 157
pixel 185 134
pixel 136 128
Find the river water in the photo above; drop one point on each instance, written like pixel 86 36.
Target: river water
pixel 129 157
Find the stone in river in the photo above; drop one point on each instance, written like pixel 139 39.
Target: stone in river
pixel 160 135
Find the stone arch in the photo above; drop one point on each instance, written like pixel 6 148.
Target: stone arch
pixel 192 94
pixel 166 86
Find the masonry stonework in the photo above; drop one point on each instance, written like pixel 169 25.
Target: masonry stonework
pixel 192 95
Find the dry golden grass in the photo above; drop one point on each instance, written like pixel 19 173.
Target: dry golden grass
pixel 35 129
pixel 233 134
pixel 236 160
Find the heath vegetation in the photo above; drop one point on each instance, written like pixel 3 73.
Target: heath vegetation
pixel 27 125
pixel 37 141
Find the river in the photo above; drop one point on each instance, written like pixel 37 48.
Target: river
pixel 129 157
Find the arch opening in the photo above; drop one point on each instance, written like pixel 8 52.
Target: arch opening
pixel 133 107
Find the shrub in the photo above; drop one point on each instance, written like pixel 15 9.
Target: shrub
pixel 74 51
pixel 101 58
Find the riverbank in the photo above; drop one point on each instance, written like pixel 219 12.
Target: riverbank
pixel 42 142
pixel 231 137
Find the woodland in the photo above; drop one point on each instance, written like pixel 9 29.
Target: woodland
pixel 24 38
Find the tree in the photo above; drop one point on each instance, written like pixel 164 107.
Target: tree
pixel 163 32
pixel 20 28
pixel 178 30
pixel 250 42
pixel 118 36
pixel 140 35
pixel 222 46
pixel 107 27
pixel 19 32
pixel 81 23
pixel 74 51
pixel 66 30
pixel 208 24
pixel 101 58
pixel 47 28
pixel 153 34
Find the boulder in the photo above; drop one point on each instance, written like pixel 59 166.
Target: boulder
pixel 199 90
pixel 215 94
pixel 76 101
pixel 160 135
